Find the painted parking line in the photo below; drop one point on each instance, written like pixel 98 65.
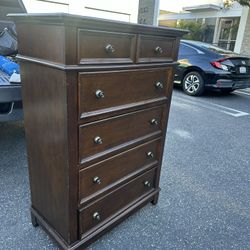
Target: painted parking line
pixel 242 92
pixel 213 106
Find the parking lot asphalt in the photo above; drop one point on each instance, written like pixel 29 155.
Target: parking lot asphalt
pixel 205 198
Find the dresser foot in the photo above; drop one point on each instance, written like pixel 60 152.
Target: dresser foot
pixel 34 220
pixel 155 200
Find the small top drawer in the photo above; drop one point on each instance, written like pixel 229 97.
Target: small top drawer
pixel 101 91
pixel 97 47
pixel 155 49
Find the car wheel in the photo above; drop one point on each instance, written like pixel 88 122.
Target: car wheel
pixel 227 91
pixel 193 84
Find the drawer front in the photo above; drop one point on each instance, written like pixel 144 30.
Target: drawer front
pixel 101 211
pixel 96 47
pixel 95 178
pixel 155 49
pixel 108 133
pixel 109 89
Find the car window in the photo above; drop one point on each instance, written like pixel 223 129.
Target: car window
pixel 216 49
pixel 187 50
pixel 213 48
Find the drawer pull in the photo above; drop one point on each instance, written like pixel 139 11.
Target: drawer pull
pixel 98 140
pixel 159 85
pixel 158 50
pixel 154 122
pixel 150 154
pixel 96 216
pixel 109 48
pixel 99 94
pixel 147 184
pixel 97 180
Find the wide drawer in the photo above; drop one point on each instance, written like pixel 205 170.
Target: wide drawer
pixel 107 134
pixel 103 90
pixel 155 49
pixel 98 213
pixel 106 174
pixel 95 47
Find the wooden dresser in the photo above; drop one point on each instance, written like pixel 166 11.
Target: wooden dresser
pixel 96 97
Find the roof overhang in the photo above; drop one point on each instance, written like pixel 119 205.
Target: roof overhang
pixel 203 7
pixel 202 14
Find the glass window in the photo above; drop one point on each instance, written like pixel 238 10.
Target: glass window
pixel 214 48
pixel 187 50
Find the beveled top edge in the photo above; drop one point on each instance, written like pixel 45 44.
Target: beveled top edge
pixel 72 19
pixel 89 68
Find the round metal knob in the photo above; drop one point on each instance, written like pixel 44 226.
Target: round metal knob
pixel 159 85
pixel 158 50
pixel 97 180
pixel 98 140
pixel 150 154
pixel 154 122
pixel 109 48
pixel 147 184
pixel 96 216
pixel 99 93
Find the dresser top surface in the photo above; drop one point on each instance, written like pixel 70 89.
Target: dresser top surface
pixel 86 21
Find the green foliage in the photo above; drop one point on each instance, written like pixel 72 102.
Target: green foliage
pixel 244 2
pixel 197 29
pixel 228 3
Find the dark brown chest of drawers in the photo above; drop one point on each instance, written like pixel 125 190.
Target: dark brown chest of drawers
pixel 96 97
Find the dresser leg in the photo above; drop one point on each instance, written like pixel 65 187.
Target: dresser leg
pixel 34 220
pixel 155 200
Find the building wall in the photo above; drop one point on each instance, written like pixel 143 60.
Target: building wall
pixel 110 9
pixel 168 23
pixel 215 21
pixel 176 6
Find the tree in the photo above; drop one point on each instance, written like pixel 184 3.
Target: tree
pixel 228 3
pixel 196 29
pixel 244 2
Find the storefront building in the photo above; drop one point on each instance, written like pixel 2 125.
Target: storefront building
pixel 228 27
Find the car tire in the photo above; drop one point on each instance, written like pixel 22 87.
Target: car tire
pixel 227 91
pixel 193 84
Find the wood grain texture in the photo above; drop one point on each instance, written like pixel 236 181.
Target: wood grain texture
pixel 147 49
pixel 120 88
pixel 92 23
pixel 106 207
pixel 63 63
pixel 92 47
pixel 118 168
pixel 45 120
pixel 42 41
pixel 117 130
pixel 72 153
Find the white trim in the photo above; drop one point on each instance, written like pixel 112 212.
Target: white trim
pixel 216 31
pixel 241 30
pixel 202 7
pixel 156 12
pixel 208 14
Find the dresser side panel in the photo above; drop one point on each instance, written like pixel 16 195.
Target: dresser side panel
pixel 42 41
pixel 45 118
